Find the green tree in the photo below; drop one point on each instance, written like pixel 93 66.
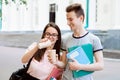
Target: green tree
pixel 0 9
pixel 20 1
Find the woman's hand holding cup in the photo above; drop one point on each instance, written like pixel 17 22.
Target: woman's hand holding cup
pixel 44 43
pixel 52 56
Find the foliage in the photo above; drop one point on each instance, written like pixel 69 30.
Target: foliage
pixel 20 2
pixel 0 8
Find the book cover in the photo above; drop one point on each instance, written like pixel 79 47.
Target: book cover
pixel 84 55
pixel 79 55
pixel 55 73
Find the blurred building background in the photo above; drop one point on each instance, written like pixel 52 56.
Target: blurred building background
pixel 23 23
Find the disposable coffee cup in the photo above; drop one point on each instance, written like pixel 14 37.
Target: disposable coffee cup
pixel 44 44
pixel 52 54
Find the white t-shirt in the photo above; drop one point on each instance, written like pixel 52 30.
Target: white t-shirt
pixel 68 40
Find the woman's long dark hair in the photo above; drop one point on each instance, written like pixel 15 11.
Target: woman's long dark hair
pixel 40 52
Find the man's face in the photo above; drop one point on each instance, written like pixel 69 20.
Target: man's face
pixel 73 21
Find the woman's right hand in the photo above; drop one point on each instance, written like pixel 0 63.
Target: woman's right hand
pixel 44 43
pixel 43 40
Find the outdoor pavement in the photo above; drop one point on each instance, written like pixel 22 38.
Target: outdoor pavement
pixel 10 60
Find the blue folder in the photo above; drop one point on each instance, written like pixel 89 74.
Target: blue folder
pixel 84 55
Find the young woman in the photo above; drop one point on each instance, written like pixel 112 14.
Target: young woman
pixel 41 65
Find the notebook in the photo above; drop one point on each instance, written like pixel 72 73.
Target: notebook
pixel 84 55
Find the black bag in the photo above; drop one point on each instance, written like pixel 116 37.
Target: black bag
pixel 20 74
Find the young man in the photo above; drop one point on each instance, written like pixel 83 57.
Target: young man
pixel 80 36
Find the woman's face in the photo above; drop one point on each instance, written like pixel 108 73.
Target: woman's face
pixel 52 34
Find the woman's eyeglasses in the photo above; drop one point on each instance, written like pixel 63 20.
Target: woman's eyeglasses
pixel 47 34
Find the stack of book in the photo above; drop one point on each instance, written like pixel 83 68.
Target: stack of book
pixel 84 55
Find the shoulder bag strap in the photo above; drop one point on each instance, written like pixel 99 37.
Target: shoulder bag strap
pixel 28 64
